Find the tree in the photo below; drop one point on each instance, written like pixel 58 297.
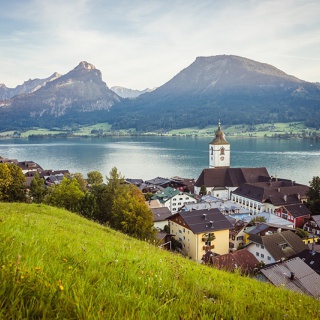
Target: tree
pixel 123 207
pixel 37 189
pixel 94 178
pixel 313 195
pixel 203 191
pixel 257 220
pixel 67 194
pixel 79 177
pixel 302 233
pixel 12 183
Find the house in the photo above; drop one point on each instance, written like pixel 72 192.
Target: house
pixel 313 225
pixel 237 235
pixel 297 213
pixel 295 275
pixel 173 199
pixel 269 196
pixel 28 166
pixel 276 246
pixel 160 216
pixel 241 260
pixel 200 231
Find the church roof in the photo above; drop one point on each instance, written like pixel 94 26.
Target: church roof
pixel 231 177
pixel 220 137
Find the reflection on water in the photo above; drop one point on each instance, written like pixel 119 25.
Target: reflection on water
pixel 148 157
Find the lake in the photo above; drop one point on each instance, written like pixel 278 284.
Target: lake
pixel 148 157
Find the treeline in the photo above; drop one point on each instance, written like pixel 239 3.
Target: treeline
pixel 121 206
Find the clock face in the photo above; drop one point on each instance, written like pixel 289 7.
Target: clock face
pixel 221 158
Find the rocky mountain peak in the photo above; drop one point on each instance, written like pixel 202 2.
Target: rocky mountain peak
pixel 85 65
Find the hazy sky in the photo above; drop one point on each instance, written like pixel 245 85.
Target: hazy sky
pixel 140 44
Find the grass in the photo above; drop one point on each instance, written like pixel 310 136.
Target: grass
pixel 260 130
pixel 55 264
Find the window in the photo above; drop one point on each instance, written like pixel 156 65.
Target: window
pixel 240 238
pixel 262 247
pixel 187 198
pixel 222 151
pixel 180 231
pixel 257 245
pixel 180 198
pixel 269 258
pixel 257 254
pixel 262 255
pixel 184 229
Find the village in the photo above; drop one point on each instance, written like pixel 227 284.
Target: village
pixel 235 219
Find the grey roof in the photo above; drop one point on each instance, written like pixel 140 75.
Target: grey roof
pixel 200 221
pixel 158 181
pixel 231 177
pixel 303 280
pixel 281 245
pixel 316 219
pixel 160 214
pixel 271 219
pixel 298 210
pixel 275 192
pixel 311 258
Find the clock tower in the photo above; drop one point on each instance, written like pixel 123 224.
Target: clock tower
pixel 219 150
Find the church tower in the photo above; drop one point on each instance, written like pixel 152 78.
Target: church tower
pixel 219 150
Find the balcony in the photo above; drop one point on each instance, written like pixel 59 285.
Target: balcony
pixel 208 247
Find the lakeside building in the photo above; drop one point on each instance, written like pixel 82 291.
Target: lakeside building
pixel 252 188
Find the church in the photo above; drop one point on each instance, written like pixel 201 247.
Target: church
pixel 252 188
pixel 219 179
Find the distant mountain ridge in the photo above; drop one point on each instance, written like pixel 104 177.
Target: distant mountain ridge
pixel 129 93
pixel 232 88
pixel 28 86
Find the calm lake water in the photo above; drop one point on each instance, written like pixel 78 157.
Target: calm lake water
pixel 149 157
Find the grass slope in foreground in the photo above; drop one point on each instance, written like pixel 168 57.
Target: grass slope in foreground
pixel 55 264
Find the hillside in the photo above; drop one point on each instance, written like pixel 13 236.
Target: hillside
pixel 55 264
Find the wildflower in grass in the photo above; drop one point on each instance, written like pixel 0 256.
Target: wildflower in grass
pixel 70 267
pixel 64 260
pixel 60 285
pixel 37 268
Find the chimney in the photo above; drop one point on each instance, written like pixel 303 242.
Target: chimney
pixel 204 216
pixel 292 275
pixel 211 224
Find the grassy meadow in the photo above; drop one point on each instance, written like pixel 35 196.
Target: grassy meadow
pixel 258 131
pixel 55 264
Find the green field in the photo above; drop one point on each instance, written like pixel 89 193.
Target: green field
pixel 260 130
pixel 57 265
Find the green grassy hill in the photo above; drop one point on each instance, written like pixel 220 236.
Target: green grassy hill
pixel 55 264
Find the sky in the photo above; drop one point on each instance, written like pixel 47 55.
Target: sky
pixel 143 44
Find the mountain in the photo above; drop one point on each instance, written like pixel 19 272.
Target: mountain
pixel 27 87
pixel 129 93
pixel 227 87
pixel 232 88
pixel 78 97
